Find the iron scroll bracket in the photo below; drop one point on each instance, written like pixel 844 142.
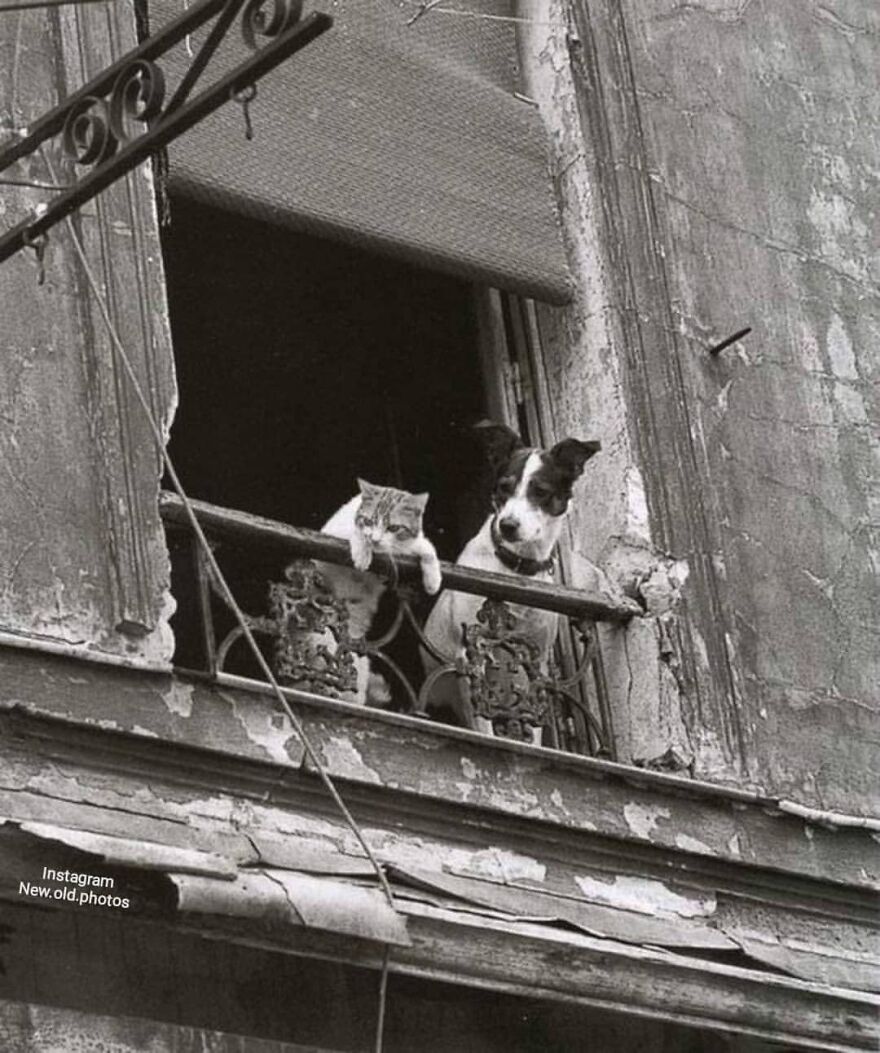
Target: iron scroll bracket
pixel 95 121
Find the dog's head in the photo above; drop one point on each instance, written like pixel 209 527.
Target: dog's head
pixel 532 487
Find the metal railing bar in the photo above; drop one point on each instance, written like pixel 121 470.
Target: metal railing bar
pixel 298 541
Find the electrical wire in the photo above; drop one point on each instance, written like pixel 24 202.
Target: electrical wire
pixel 222 583
pixel 426 7
pixel 237 612
pixel 383 999
pixel 35 185
pixel 33 5
pixel 209 555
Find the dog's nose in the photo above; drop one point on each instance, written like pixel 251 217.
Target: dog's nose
pixel 509 528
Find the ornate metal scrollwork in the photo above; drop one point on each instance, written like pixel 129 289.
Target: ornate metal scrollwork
pixel 268 18
pixel 313 649
pixel 138 95
pixel 502 669
pixel 99 123
pixel 87 137
pixel 94 128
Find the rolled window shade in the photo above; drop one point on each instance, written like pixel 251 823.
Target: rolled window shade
pixel 405 139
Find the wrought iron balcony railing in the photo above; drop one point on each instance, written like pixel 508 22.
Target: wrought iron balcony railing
pixel 306 629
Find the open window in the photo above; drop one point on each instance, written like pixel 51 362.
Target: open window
pixel 303 365
pixel 329 287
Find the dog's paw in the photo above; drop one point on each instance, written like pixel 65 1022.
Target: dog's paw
pixel 431 577
pixel 378 691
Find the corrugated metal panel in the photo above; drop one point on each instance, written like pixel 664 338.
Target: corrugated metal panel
pixel 286 897
pixel 297 882
pixel 145 855
pixel 598 921
pixel 295 853
pixel 818 964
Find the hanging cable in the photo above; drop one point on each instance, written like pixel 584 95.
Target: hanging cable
pixel 383 999
pixel 159 439
pixel 309 749
pixel 35 184
pixel 425 7
pixel 33 5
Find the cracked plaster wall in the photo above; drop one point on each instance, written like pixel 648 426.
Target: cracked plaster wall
pixel 760 124
pixel 83 562
pixel 611 538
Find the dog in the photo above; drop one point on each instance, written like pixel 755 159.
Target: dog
pixel 531 495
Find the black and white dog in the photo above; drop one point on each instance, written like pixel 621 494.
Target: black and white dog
pixel 530 497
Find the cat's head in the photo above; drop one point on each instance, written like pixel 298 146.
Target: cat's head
pixel 387 517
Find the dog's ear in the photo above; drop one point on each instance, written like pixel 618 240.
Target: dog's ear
pixel 498 441
pixel 571 455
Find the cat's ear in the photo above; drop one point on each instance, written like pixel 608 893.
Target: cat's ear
pixel 364 486
pixel 571 455
pixel 420 501
pixel 498 441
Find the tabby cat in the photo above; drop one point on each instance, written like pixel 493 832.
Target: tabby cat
pixel 378 519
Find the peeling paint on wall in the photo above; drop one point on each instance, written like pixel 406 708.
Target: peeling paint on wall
pixel 81 543
pixel 642 820
pixel 611 532
pixel 646 896
pixel 179 698
pixel 748 145
pixel 345 760
pixel 268 729
pixel 499 864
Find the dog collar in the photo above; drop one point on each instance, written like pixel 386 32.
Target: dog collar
pixel 519 564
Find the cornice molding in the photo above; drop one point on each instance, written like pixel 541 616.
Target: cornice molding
pixel 233 740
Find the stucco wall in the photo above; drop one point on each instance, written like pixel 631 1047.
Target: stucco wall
pixel 763 125
pixel 758 153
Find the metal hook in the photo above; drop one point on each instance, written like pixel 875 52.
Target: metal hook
pixel 244 98
pixel 38 244
pixel 730 340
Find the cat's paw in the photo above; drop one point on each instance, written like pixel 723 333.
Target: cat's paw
pixel 362 560
pixel 431 577
pixel 361 555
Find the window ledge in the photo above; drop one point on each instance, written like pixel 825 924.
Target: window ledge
pixel 233 738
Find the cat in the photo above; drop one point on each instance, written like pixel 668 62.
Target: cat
pixel 377 519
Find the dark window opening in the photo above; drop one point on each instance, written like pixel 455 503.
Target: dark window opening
pixel 302 365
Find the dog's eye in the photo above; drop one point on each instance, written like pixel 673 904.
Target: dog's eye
pixel 506 487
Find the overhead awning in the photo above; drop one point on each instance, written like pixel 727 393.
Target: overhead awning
pixel 407 139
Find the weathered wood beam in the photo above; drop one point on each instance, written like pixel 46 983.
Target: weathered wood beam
pixel 538 962
pixel 527 959
pixel 298 541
